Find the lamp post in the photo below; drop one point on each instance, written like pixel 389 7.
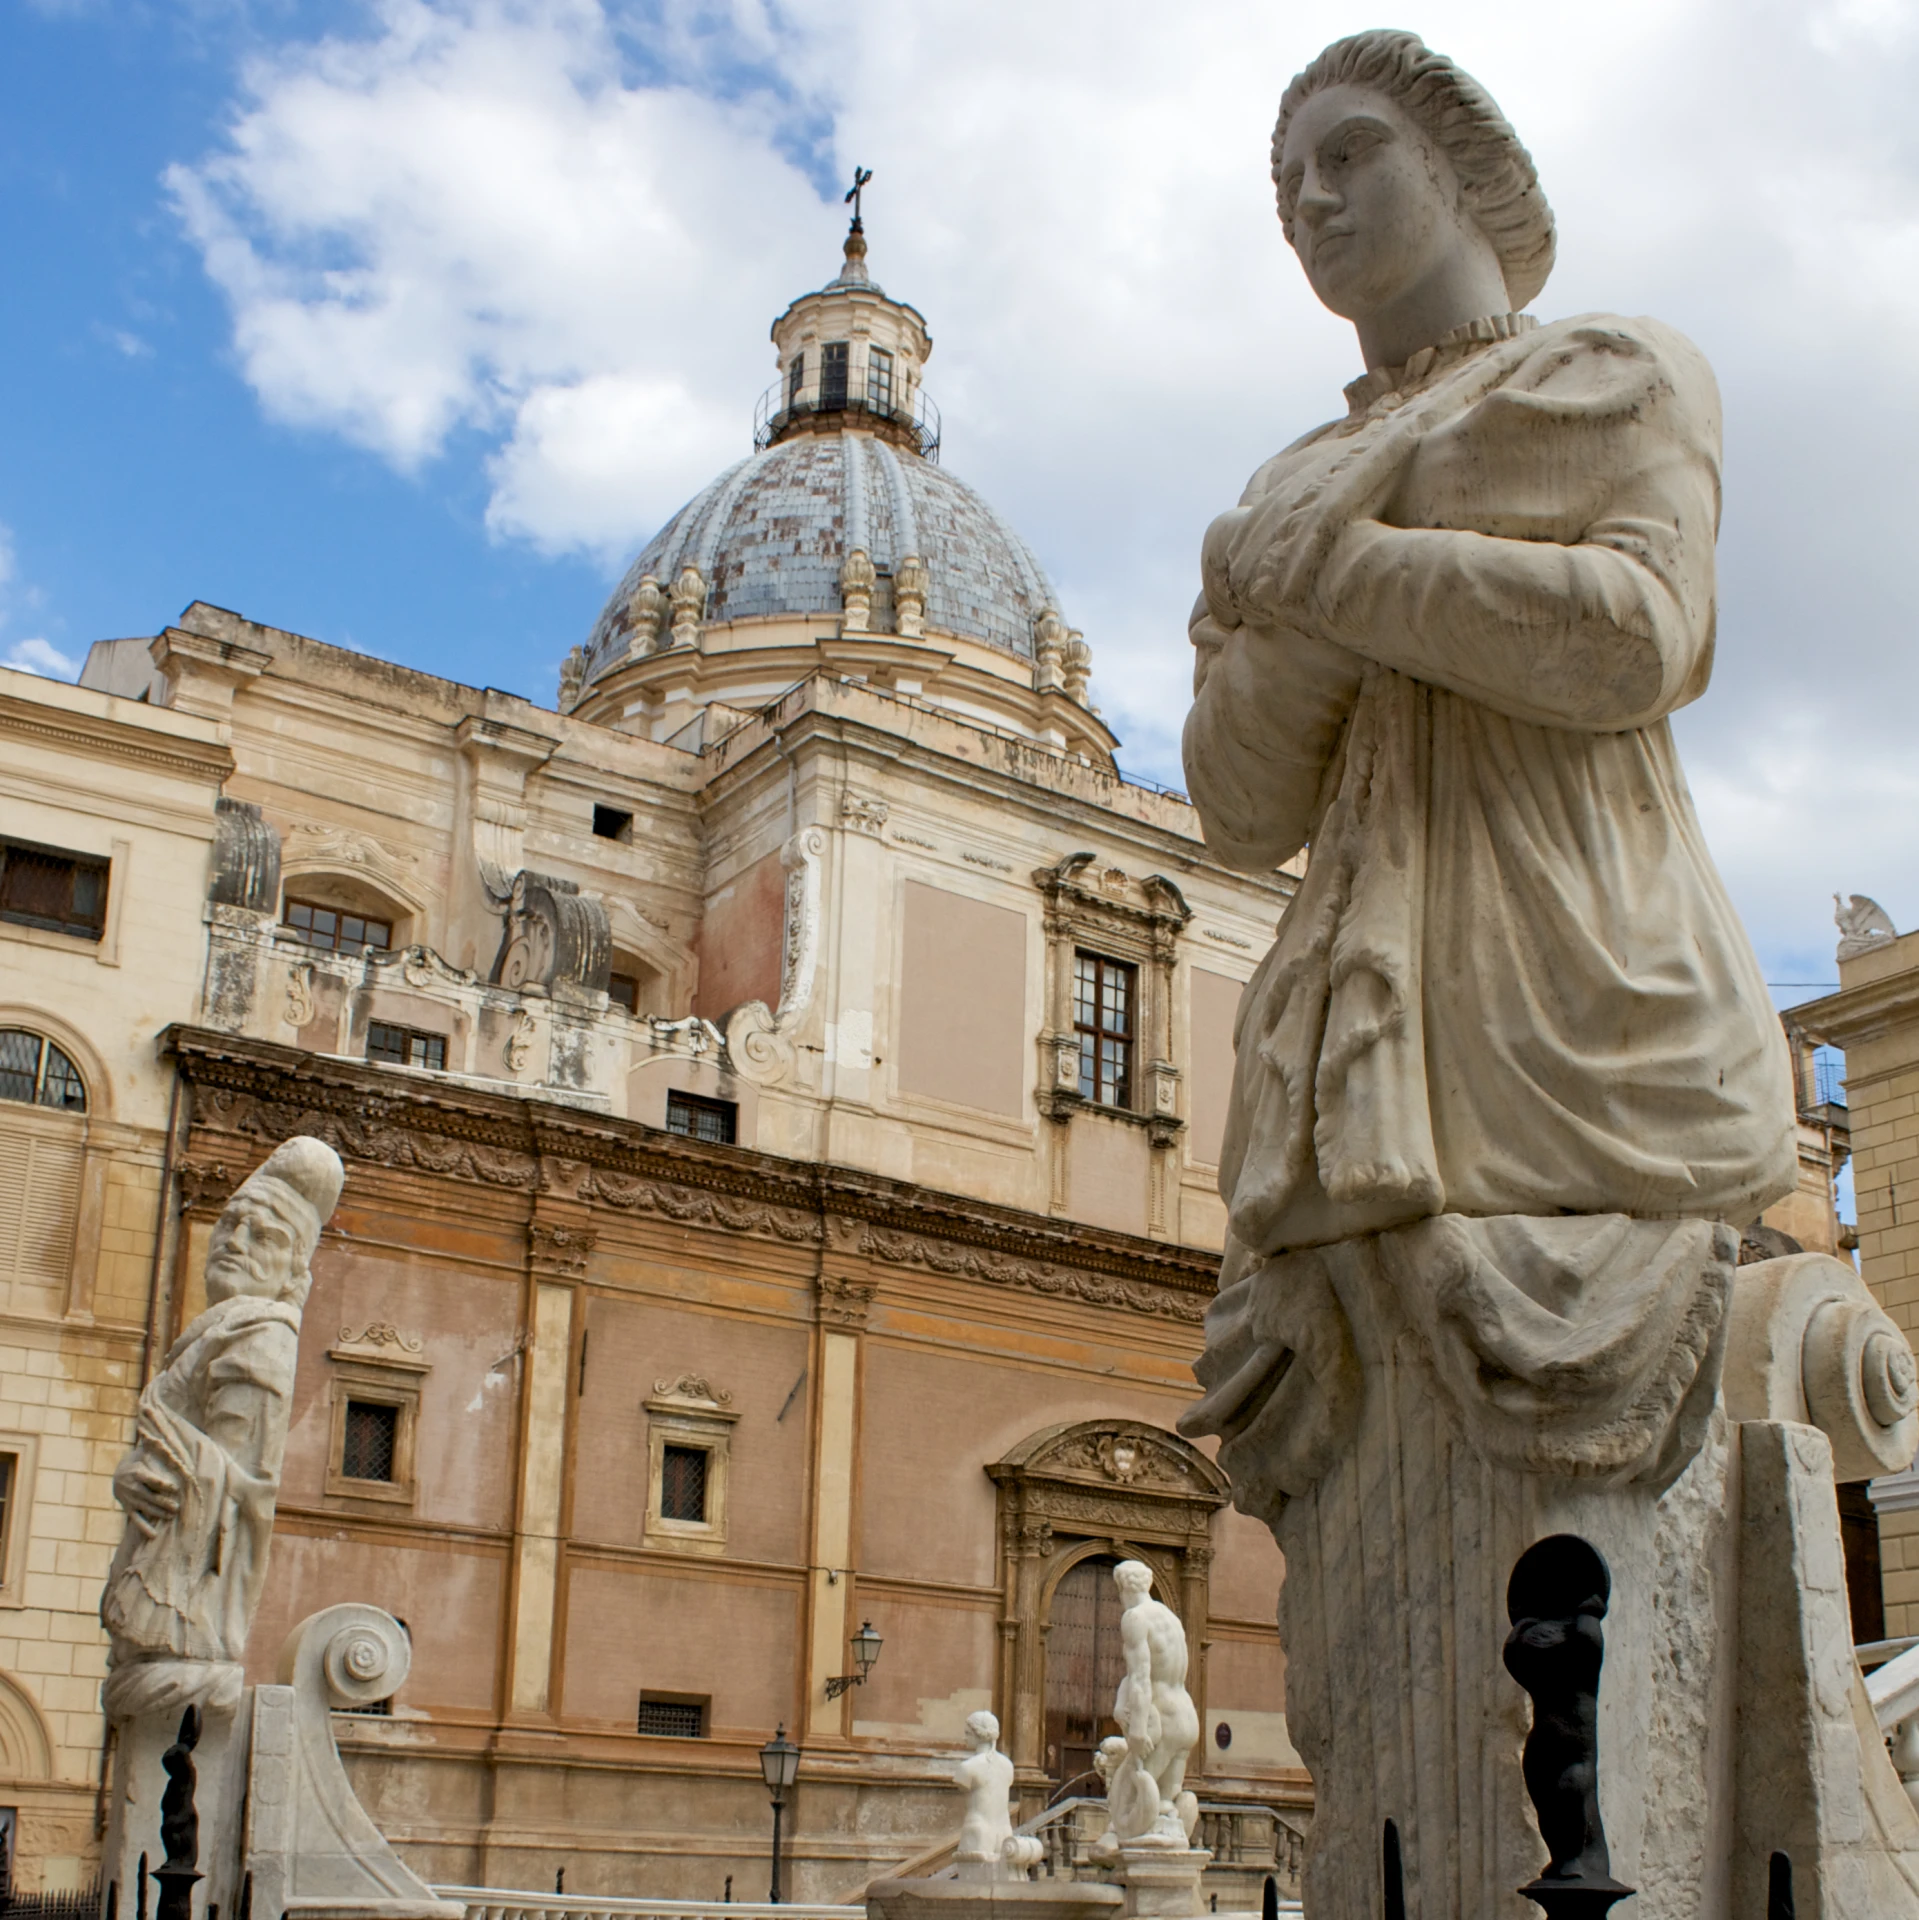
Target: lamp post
pixel 866 1653
pixel 779 1764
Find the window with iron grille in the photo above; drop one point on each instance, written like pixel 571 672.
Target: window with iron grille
pixel 833 374
pixel 683 1484
pixel 33 1069
pixel 1104 995
pixel 404 1046
pixel 795 380
pixel 678 1716
pixel 336 930
pixel 372 1440
pixel 701 1119
pixel 51 889
pixel 879 380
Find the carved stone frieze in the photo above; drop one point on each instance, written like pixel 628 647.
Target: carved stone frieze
pixel 1032 1276
pixel 559 1250
pixel 692 1206
pixel 363 1132
pixel 246 1095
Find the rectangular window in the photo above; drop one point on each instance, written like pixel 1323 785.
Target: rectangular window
pixel 683 1484
pixel 612 823
pixel 677 1716
pixel 623 990
pixel 372 1440
pixel 335 930
pixel 795 380
pixel 833 374
pixel 404 1046
pixel 1104 993
pixel 698 1119
pixel 879 380
pixel 9 1480
pixel 60 892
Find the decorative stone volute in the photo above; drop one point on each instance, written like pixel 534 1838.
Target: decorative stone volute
pixel 909 596
pixel 1079 668
pixel 572 678
pixel 857 581
pixel 1049 651
pixel 246 859
pixel 646 611
pixel 689 607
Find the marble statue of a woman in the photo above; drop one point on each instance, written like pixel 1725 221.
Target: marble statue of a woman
pixel 1511 1008
pixel 1509 1081
pixel 201 1481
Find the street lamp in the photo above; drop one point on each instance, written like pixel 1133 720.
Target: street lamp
pixel 779 1764
pixel 866 1653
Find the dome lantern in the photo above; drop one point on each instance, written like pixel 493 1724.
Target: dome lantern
pixel 850 357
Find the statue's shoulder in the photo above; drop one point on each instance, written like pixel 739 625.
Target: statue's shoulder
pixel 242 1338
pixel 1271 472
pixel 1621 352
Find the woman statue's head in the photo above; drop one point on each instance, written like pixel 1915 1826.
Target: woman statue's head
pixel 1404 191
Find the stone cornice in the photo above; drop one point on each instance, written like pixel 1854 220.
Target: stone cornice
pixel 767 743
pixel 1853 1014
pixel 263 1093
pixel 109 739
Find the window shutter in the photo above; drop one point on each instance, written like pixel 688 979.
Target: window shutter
pixel 39 1207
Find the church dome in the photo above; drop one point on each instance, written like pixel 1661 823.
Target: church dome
pixel 771 535
pixel 841 546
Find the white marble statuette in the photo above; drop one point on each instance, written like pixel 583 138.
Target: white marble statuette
pixel 985 1776
pixel 1144 1767
pixel 201 1480
pixel 1509 1083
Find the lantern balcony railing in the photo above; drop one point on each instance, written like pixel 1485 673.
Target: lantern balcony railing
pixel 914 422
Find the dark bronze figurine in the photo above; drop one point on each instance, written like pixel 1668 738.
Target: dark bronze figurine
pixel 1556 1599
pixel 179 1824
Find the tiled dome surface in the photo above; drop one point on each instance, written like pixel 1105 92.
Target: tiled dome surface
pixel 770 534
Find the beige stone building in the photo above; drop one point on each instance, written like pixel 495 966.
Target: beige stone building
pixel 1874 1017
pixel 780 1088
pixel 107 813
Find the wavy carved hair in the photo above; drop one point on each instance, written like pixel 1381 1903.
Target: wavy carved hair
pixel 1459 116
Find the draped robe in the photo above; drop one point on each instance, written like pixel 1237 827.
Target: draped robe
pixel 1439 641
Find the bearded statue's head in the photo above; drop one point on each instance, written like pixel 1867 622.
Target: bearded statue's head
pixel 263 1243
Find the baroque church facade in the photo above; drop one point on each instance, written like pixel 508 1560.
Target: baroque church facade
pixel 781 1086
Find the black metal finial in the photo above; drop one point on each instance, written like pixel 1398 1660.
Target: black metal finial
pixel 179 1824
pixel 1779 1888
pixel 1556 1599
pixel 860 177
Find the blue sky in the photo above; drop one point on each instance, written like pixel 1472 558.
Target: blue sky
pixel 403 322
pixel 138 471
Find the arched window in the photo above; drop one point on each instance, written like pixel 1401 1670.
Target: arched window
pixel 33 1069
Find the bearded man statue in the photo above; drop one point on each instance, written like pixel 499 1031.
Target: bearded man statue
pixel 200 1483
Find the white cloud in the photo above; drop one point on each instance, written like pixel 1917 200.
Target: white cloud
pixel 565 230
pixel 41 657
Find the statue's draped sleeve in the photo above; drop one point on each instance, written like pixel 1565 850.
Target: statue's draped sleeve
pixel 1580 591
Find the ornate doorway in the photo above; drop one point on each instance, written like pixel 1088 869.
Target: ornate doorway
pixel 1073 1501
